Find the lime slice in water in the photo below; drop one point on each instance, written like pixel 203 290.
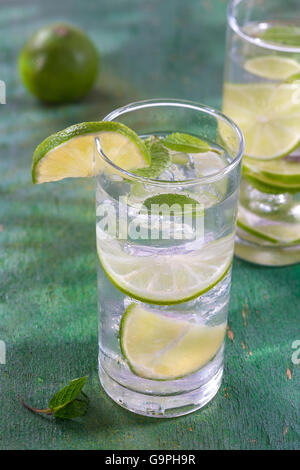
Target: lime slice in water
pixel 162 347
pixel 165 279
pixel 268 115
pixel 69 153
pixel 272 67
pixel 269 230
pixel 288 35
pixel 285 171
pixel 268 186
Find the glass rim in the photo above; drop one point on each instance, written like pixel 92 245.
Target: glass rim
pixel 182 104
pixel 233 24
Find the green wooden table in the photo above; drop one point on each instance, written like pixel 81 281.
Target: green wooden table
pixel 48 313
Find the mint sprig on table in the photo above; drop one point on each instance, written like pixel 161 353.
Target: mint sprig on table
pixel 285 35
pixel 65 403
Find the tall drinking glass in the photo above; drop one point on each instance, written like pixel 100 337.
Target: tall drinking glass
pixel 165 248
pixel 262 95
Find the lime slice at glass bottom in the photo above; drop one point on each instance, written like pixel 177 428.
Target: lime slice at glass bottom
pixel 268 230
pixel 165 279
pixel 69 153
pixel 272 67
pixel 161 347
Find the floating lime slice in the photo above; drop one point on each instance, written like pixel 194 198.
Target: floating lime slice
pixel 69 153
pixel 273 67
pixel 269 230
pixel 284 172
pixel 268 115
pixel 161 347
pixel 264 185
pixel 288 35
pixel 165 279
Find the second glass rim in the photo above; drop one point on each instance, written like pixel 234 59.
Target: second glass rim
pixel 233 24
pixel 176 103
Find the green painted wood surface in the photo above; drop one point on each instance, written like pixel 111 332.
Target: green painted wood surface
pixel 48 314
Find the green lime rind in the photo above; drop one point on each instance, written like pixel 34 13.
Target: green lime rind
pixel 81 129
pixel 282 172
pixel 167 200
pixel 121 334
pixel 293 78
pixel 269 186
pixel 277 239
pixel 185 143
pixel 256 233
pixel 131 367
pixel 160 159
pixel 285 35
pixel 156 302
pixel 258 240
pixel 59 63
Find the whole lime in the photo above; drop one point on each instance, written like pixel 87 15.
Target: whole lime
pixel 59 63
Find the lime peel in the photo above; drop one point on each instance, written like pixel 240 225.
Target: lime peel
pixel 74 158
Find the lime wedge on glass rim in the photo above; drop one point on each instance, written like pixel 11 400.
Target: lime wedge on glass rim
pixel 161 347
pixel 273 67
pixel 69 153
pixel 165 279
pixel 268 115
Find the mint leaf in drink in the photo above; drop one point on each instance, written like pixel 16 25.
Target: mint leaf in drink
pixel 185 143
pixel 65 403
pixel 181 203
pixel 160 158
pixel 285 35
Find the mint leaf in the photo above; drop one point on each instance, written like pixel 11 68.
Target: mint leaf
pixel 160 159
pixel 162 203
pixel 67 394
pixel 185 143
pixel 65 403
pixel 72 410
pixel 285 35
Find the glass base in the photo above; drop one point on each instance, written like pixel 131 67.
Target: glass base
pixel 266 255
pixel 162 406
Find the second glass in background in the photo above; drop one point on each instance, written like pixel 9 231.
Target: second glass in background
pixel 262 95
